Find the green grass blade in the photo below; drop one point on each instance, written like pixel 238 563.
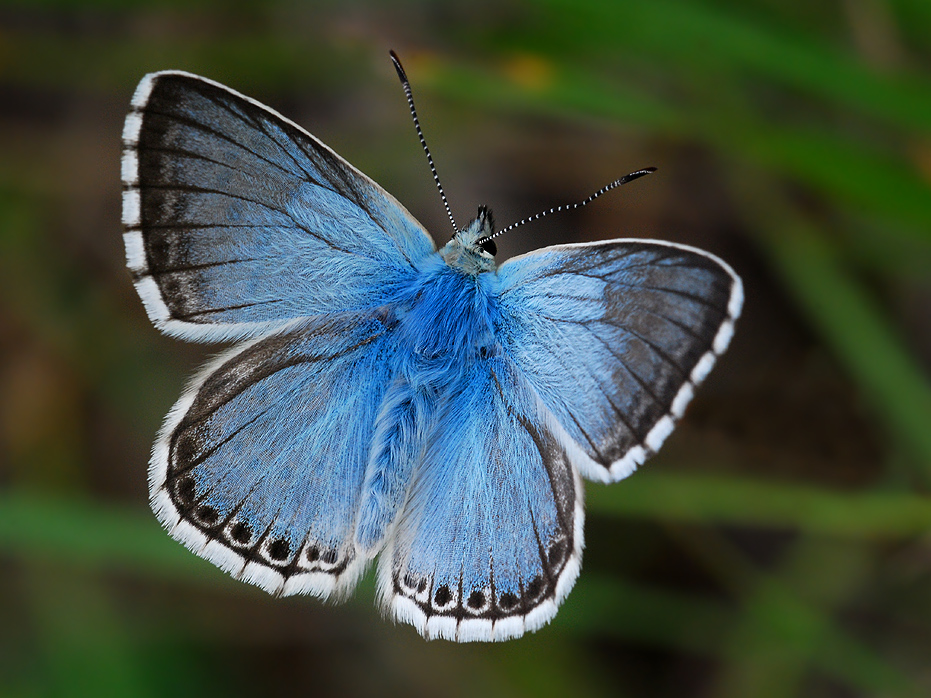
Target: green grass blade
pixel 856 328
pixel 688 34
pixel 728 500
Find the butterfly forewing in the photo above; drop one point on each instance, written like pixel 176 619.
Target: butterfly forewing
pixel 614 337
pixel 224 199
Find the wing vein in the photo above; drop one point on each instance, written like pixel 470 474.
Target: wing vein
pixel 259 124
pixel 218 192
pixel 659 352
pixel 197 125
pixel 176 471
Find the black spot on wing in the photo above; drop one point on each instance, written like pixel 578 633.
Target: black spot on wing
pixel 241 532
pixel 442 595
pixel 279 549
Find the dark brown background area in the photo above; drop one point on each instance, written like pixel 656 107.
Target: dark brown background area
pixel 778 546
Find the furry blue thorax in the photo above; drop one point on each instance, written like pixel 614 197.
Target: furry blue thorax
pixel 452 311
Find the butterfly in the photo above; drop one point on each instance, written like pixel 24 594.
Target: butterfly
pixel 384 398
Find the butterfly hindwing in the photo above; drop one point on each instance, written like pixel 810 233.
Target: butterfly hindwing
pixel 490 538
pixel 259 467
pixel 237 220
pixel 614 337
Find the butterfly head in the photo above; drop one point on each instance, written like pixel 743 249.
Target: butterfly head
pixel 470 250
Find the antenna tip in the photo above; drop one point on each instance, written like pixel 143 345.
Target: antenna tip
pixel 397 66
pixel 636 175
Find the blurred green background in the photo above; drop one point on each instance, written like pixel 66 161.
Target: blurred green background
pixel 779 546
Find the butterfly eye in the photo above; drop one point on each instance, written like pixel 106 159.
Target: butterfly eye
pixel 490 247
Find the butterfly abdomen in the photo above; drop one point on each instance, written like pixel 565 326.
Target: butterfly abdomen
pixel 397 445
pixel 445 326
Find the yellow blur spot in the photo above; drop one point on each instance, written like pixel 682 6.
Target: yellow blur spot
pixel 530 72
pixel 921 156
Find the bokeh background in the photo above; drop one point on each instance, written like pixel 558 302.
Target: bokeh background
pixel 779 545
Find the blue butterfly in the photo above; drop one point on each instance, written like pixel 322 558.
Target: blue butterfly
pixel 386 397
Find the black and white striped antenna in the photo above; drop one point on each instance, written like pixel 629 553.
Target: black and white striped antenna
pixel 570 207
pixel 406 84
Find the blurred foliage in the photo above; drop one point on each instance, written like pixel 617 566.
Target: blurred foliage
pixel 779 546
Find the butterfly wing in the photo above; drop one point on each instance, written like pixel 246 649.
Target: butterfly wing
pixel 237 220
pixel 614 337
pixel 260 464
pixel 489 540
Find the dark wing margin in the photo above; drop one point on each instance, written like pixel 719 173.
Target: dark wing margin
pixel 614 337
pixel 237 220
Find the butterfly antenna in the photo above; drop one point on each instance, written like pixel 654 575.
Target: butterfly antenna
pixel 406 84
pixel 570 207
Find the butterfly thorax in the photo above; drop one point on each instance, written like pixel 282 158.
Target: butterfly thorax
pixel 451 314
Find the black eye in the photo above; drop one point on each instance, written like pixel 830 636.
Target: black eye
pixel 490 247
